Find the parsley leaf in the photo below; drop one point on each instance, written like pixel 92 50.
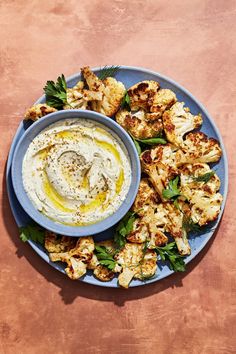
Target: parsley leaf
pixel 170 254
pixel 125 103
pixel 138 147
pixel 32 232
pixel 108 72
pixel 56 92
pixel 105 257
pixel 172 190
pixel 188 224
pixel 205 177
pixel 124 227
pixel 152 141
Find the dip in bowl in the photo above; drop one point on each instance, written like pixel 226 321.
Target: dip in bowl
pixel 76 172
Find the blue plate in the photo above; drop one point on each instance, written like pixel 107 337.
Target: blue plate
pixel 129 76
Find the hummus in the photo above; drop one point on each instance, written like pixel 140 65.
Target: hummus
pixel 76 172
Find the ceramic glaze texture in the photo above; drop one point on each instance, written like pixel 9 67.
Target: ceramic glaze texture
pixel 192 42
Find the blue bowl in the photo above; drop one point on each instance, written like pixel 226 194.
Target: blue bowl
pixel 26 203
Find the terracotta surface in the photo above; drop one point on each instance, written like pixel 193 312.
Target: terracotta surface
pixel 41 311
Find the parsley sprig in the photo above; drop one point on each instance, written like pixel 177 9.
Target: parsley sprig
pixel 124 227
pixel 32 232
pixel 56 92
pixel 170 254
pixel 172 191
pixel 140 143
pixel 105 257
pixel 205 177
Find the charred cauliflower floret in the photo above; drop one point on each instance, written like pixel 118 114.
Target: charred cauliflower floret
pixel 146 197
pixel 163 100
pixel 205 207
pixel 175 226
pixel 78 97
pixel 76 258
pixel 102 273
pixel 156 219
pixel 112 96
pixel 93 262
pixel 147 105
pixel 111 91
pixel 135 263
pixel 198 147
pixel 147 226
pixel 202 195
pixel 93 82
pixel 38 111
pixel 140 124
pixel 56 243
pixel 84 249
pixel 192 178
pixel 75 269
pixel 140 232
pixel 159 165
pixel 142 94
pixel 178 121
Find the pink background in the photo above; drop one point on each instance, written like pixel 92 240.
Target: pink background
pixel 193 42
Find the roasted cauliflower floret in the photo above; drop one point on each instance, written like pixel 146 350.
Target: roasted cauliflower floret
pixel 163 100
pixel 142 94
pixel 189 179
pixel 135 263
pixel 147 106
pixel 84 249
pixel 79 98
pixel 147 226
pixel 75 269
pixel 111 90
pixel 175 226
pixel 178 121
pixel 159 165
pixel 198 147
pixel 140 124
pixel 205 207
pixel 56 243
pixel 157 239
pixel 146 197
pixel 76 258
pixel 155 218
pixel 204 200
pixel 112 96
pixel 93 262
pixel 38 111
pixel 93 82
pixel 140 232
pixel 103 273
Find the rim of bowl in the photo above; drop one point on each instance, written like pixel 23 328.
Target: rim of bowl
pixel 44 221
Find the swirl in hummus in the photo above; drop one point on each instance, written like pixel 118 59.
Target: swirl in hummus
pixel 76 172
